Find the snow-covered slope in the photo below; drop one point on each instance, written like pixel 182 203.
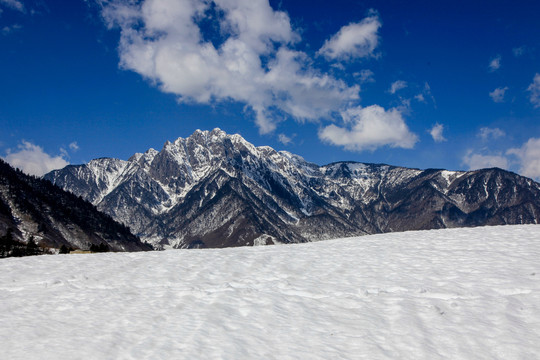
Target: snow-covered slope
pixel 214 189
pixel 443 294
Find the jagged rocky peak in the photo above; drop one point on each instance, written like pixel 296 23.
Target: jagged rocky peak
pixel 204 147
pixel 144 159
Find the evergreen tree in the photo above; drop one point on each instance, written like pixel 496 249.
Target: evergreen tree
pixel 7 244
pixel 104 247
pixel 31 247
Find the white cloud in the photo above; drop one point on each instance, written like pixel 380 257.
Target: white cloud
pixel 74 146
pixel 365 76
pixel 498 94
pixel 369 128
pixel 33 160
pixel 480 161
pixel 356 40
pixel 64 154
pixel 425 95
pixel 405 106
pixel 284 139
pixel 396 86
pixel 495 63
pixel 162 41
pixel 534 89
pixel 420 98
pixel 436 132
pixel 13 4
pixel 485 133
pixel 529 157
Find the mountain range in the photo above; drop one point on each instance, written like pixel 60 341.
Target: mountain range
pixel 213 189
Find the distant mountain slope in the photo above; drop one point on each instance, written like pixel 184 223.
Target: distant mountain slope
pixel 33 207
pixel 216 190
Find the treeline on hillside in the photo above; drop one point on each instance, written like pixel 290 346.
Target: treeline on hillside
pixel 27 191
pixel 43 201
pixel 10 247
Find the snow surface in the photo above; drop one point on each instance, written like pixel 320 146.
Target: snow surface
pixel 456 294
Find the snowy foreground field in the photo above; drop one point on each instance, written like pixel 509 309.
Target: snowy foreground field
pixel 456 294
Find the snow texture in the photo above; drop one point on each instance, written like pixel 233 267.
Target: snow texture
pixel 452 294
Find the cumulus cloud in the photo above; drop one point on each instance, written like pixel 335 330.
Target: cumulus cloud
pixel 368 128
pixel 356 40
pixel 13 4
pixel 495 63
pixel 486 133
pixel 529 158
pixel 436 132
pixel 477 161
pixel 534 89
pixel 396 86
pixel 526 158
pixel 251 60
pixel 33 160
pixel 498 94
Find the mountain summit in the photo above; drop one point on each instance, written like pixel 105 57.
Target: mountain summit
pixel 213 189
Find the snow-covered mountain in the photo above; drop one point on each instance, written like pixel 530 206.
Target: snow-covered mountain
pixel 213 189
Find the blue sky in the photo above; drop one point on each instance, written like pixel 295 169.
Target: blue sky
pixel 424 84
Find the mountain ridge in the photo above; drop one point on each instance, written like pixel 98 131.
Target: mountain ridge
pixel 35 209
pixel 213 189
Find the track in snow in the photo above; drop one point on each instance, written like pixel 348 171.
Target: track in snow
pixel 459 293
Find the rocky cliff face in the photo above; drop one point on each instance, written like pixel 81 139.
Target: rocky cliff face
pixel 33 208
pixel 217 190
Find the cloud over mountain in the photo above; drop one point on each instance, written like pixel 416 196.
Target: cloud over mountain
pixel 369 128
pixel 529 157
pixel 33 160
pixel 249 59
pixel 476 161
